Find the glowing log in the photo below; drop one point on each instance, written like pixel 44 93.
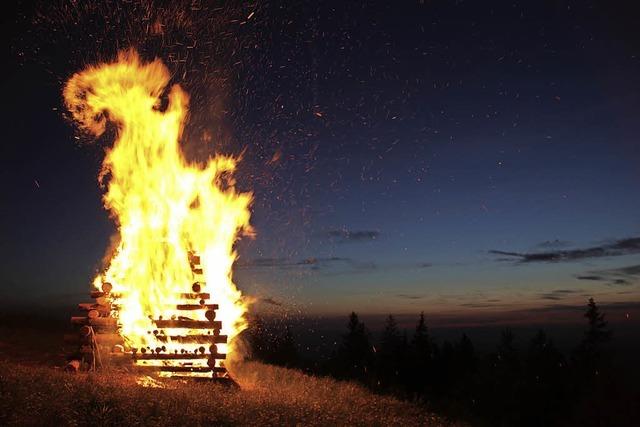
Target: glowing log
pixel 104 310
pixel 188 324
pixel 100 294
pixel 196 295
pixel 188 369
pixel 187 307
pixel 194 339
pixel 213 360
pixel 99 325
pixel 179 356
pixel 100 321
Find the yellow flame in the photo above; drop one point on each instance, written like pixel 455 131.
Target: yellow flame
pixel 165 207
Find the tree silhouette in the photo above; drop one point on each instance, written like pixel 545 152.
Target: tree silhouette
pixel 501 405
pixel 354 359
pixel 507 353
pixel 545 383
pixel 591 356
pixel 390 354
pixel 421 359
pixel 592 374
pixel 464 367
pixel 465 355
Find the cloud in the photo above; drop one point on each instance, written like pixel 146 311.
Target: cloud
pixel 619 276
pixel 619 247
pixel 347 236
pixel 409 296
pixel 606 307
pixel 311 263
pixel 620 282
pixel 478 305
pixel 630 271
pixel 559 294
pixel 590 277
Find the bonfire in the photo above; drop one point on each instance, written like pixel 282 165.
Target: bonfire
pixel 166 300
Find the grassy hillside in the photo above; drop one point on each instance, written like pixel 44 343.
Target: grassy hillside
pixel 268 396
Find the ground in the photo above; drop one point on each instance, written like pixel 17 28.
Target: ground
pixel 34 390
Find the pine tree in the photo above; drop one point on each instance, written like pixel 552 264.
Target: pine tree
pixel 546 375
pixel 591 355
pixel 421 360
pixel 507 353
pixel 355 353
pixel 597 333
pixel 421 341
pixel 390 354
pixel 390 336
pixel 507 378
pixel 465 357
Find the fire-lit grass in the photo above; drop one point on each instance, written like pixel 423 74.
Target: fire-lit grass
pixel 269 396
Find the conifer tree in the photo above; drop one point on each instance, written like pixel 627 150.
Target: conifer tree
pixel 355 353
pixel 591 355
pixel 390 354
pixel 421 362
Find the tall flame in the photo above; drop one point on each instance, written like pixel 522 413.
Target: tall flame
pixel 165 207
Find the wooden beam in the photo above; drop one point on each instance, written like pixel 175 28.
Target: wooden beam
pixel 186 307
pixel 188 324
pixel 179 356
pixel 193 339
pixel 100 321
pixel 195 295
pixel 104 310
pixel 189 369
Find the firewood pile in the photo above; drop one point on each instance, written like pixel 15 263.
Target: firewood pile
pixel 182 345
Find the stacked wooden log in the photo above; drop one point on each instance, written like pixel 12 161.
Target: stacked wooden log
pixel 95 334
pixel 184 344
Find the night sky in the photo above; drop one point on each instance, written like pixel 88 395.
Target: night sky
pixel 461 158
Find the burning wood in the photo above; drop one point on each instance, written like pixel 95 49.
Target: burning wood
pixel 98 334
pixel 177 224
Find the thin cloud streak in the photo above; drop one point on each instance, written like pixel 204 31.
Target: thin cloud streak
pixel 627 246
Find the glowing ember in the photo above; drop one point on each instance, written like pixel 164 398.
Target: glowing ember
pixel 177 221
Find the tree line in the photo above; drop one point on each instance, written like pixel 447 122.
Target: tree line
pixel 515 385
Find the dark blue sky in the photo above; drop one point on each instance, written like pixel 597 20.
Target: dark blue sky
pixel 390 146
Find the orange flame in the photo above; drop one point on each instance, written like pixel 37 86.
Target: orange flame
pixel 165 207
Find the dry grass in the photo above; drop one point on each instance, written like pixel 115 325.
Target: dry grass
pixel 268 396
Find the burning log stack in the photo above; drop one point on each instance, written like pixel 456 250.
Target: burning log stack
pixel 157 315
pixel 95 333
pixel 183 344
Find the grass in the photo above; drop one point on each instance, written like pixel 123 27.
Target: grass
pixel 268 396
pixel 34 391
